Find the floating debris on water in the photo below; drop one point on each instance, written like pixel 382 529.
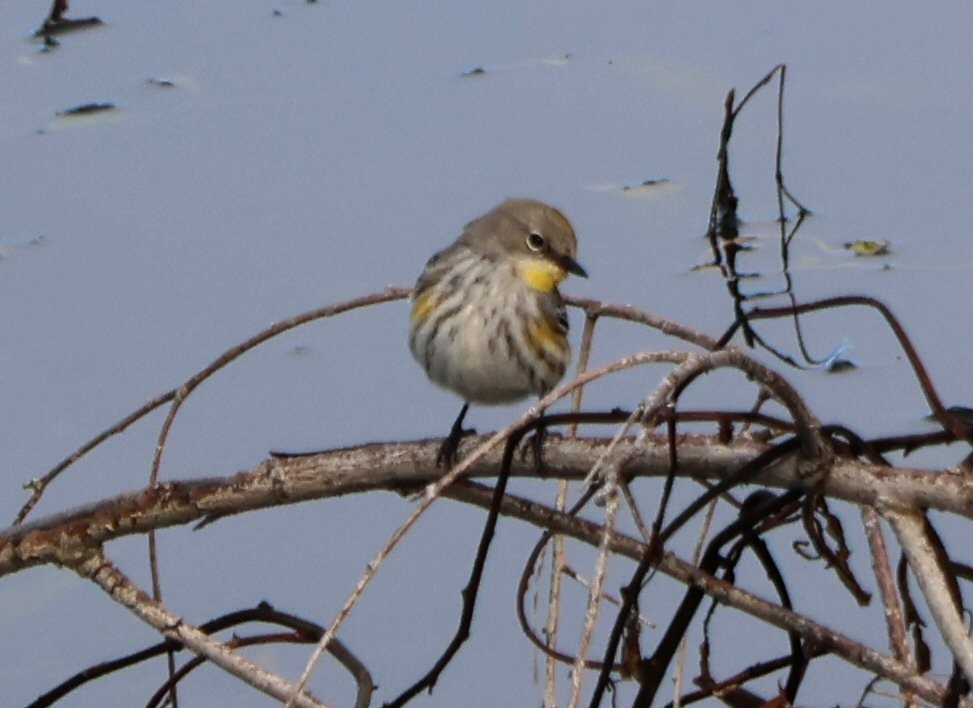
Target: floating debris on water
pixel 57 23
pixel 8 250
pixel 647 184
pixel 836 362
pixel 839 366
pixel 864 247
pixel 649 188
pixel 480 70
pixel 557 61
pixel 86 109
pixel 51 28
pixel 84 114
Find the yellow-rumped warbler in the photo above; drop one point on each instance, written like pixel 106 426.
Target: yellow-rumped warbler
pixel 488 322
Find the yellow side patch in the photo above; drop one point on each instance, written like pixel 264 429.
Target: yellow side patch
pixel 541 275
pixel 543 335
pixel 422 306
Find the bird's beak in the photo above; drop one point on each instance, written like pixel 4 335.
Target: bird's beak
pixel 571 265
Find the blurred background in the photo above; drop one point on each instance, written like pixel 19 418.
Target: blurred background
pixel 267 158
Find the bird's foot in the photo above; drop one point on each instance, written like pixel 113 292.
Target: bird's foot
pixel 534 444
pixel 450 445
pixel 446 457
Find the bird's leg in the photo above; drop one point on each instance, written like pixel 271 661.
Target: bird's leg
pixel 535 445
pixel 447 451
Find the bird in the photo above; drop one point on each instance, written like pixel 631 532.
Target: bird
pixel 487 319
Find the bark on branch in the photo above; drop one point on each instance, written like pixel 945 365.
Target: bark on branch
pixel 407 466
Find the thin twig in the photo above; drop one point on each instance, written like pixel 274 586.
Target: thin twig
pixel 725 593
pixel 434 490
pixel 558 556
pixel 37 486
pixel 943 415
pixel 304 631
pixel 157 596
pixel 909 527
pixel 607 597
pixel 697 554
pixel 390 294
pixel 597 582
pixel 96 567
pixel 885 579
pixel 633 314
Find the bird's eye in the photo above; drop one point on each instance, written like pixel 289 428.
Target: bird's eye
pixel 535 241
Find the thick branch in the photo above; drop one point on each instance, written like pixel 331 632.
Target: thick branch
pixel 410 466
